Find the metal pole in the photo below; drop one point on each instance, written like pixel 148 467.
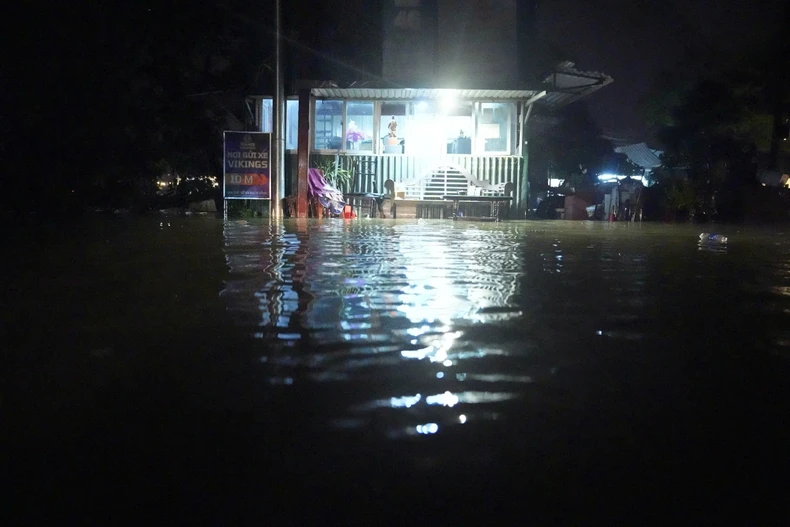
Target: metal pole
pixel 278 193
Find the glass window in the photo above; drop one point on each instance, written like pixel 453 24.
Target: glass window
pixel 392 129
pixel 328 125
pixel 493 128
pixel 291 121
pixel 459 128
pixel 267 115
pixel 291 125
pixel 359 126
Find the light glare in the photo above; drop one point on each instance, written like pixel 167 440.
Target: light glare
pixel 444 399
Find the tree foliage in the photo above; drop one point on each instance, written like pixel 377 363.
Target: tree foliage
pixel 574 150
pixel 716 131
pixel 119 91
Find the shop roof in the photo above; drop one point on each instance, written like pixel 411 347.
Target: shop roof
pixel 422 93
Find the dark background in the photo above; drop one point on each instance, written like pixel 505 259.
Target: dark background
pixel 97 96
pixel 636 40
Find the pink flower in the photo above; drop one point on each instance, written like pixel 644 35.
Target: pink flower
pixel 354 135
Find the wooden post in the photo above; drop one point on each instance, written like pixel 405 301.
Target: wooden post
pixel 303 152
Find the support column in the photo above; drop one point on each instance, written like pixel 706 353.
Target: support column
pixel 523 198
pixel 303 152
pixel 278 186
pixel 523 189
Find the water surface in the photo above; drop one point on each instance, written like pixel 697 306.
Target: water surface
pixel 378 370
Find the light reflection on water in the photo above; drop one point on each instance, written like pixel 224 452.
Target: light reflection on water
pixel 425 319
pixel 351 301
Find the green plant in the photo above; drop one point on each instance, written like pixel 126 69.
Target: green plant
pixel 334 173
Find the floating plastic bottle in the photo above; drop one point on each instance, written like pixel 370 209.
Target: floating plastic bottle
pixel 707 237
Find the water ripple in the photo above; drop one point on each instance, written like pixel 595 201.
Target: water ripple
pixel 423 318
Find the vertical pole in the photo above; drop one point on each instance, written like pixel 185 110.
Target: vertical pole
pixel 278 188
pixel 524 187
pixel 303 152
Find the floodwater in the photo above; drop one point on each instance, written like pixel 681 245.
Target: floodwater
pixel 194 371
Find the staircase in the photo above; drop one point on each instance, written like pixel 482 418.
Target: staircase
pixel 445 181
pixel 448 180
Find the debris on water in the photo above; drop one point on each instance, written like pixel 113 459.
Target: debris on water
pixel 707 237
pixel 715 243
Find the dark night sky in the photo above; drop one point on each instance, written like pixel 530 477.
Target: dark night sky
pixel 634 40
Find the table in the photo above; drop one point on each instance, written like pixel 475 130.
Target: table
pixel 366 199
pixel 493 201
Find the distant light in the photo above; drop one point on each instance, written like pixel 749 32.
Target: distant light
pixel 440 375
pixel 447 363
pixel 428 428
pixel 443 399
pixel 405 402
pixel 555 182
pixel 616 177
pixel 462 418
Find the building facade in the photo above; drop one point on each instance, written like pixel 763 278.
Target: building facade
pixel 453 89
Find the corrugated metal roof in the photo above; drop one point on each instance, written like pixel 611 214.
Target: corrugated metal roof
pixel 640 154
pixel 421 93
pixel 553 99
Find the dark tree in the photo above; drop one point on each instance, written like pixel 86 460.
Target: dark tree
pixel 106 95
pixel 573 150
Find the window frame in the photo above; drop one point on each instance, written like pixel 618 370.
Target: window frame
pixel 378 148
pixel 512 119
pixel 373 142
pixel 260 125
pixel 314 127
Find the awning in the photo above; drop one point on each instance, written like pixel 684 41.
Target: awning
pixel 641 155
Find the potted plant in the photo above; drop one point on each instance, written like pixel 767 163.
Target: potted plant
pixel 335 174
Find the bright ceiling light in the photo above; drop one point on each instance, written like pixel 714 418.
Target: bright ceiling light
pixel 448 99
